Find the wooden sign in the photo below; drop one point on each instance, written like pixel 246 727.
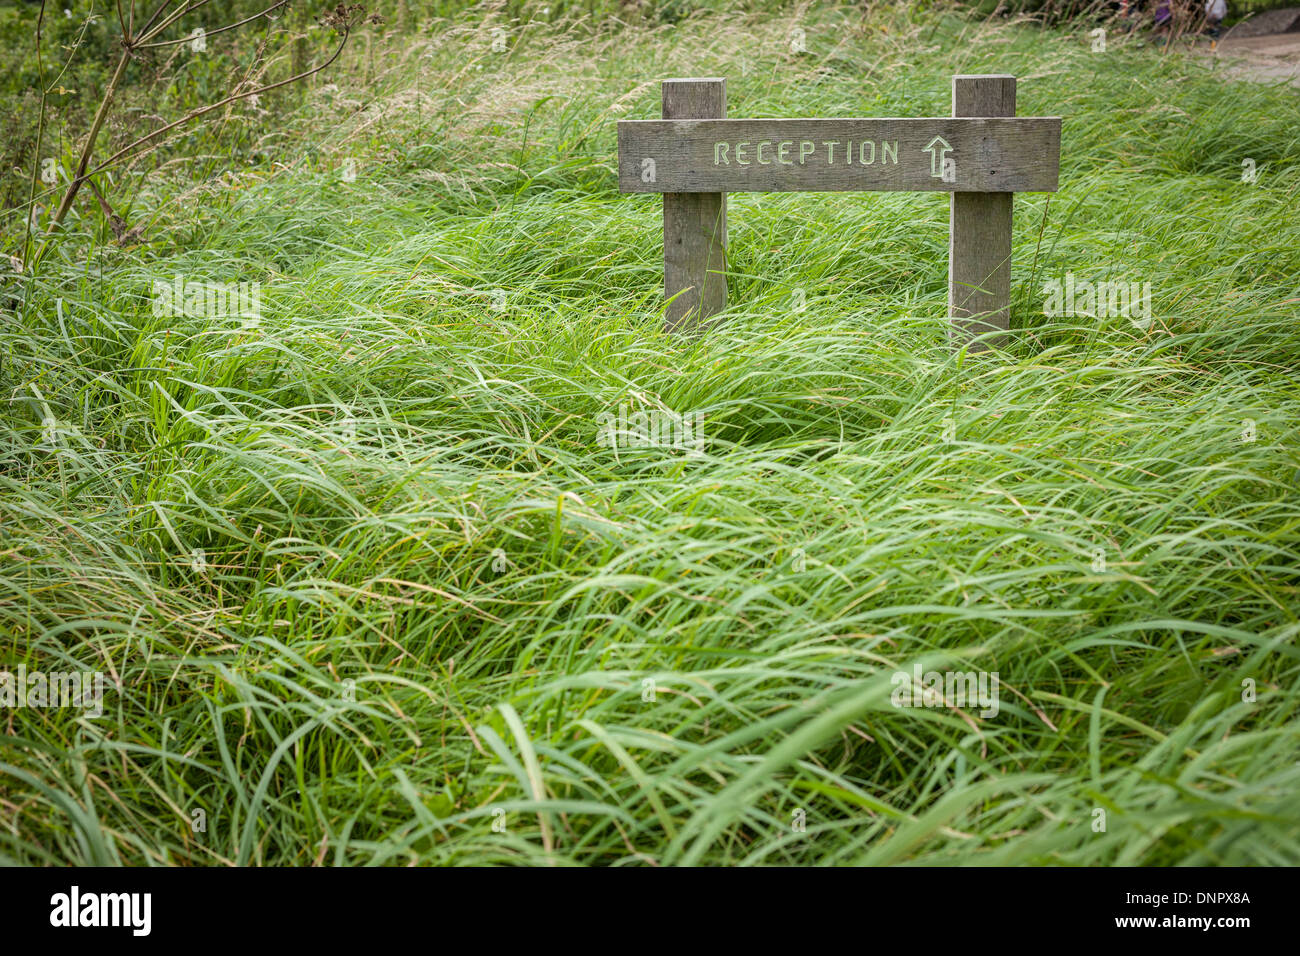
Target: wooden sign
pixel 981 154
pixel 821 155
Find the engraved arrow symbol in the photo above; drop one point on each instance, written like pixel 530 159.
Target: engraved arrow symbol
pixel 937 147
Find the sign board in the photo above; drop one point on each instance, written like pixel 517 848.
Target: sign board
pixel 990 155
pixel 981 154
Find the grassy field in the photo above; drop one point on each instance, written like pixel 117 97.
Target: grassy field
pixel 368 587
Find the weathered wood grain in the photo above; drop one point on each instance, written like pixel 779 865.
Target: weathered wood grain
pixel 979 233
pixel 988 153
pixel 695 222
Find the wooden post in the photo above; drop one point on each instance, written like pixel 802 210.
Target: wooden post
pixel 982 154
pixel 695 224
pixel 979 240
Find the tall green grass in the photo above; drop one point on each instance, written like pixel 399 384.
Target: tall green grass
pixel 429 600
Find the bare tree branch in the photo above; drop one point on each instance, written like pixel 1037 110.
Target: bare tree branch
pixel 40 131
pixel 100 115
pixel 161 7
pixel 194 114
pixel 232 26
pixel 82 173
pixel 169 20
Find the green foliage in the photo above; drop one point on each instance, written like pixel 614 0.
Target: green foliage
pixel 391 481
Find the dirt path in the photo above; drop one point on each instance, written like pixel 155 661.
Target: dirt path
pixel 1263 57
